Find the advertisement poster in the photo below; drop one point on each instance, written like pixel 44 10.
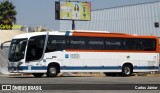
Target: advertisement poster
pixel 75 10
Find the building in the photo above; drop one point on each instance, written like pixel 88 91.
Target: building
pixel 141 19
pixel 29 29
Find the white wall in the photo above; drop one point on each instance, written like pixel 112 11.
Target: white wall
pixel 131 19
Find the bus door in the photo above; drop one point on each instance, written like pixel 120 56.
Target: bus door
pixel 35 49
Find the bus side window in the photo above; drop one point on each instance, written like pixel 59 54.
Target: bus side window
pixel 96 45
pixel 60 45
pixel 146 44
pixel 55 43
pixel 130 44
pixel 76 43
pixel 113 44
pixel 50 45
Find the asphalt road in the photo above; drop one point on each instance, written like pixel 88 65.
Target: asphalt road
pixel 80 80
pixel 72 81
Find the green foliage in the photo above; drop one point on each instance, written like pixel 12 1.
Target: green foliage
pixel 7 14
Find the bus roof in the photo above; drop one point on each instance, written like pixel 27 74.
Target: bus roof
pixel 82 33
pixel 28 35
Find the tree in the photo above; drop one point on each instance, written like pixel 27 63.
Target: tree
pixel 7 15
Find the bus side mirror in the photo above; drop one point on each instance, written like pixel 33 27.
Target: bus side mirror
pixel 3 44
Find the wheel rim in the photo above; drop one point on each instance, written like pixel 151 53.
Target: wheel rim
pixel 127 70
pixel 52 70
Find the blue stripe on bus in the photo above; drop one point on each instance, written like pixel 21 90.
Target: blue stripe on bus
pixel 33 68
pixel 89 67
pixel 23 68
pixel 39 68
pixel 145 67
pixel 67 33
pixel 108 68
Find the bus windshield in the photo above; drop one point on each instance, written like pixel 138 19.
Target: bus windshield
pixel 16 51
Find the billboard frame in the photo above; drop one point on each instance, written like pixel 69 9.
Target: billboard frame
pixel 66 8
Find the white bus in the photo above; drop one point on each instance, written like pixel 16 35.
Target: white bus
pixel 73 51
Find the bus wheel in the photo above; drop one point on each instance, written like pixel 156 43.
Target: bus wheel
pixel 127 70
pixel 52 71
pixel 37 74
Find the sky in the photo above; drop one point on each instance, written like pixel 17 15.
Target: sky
pixel 42 12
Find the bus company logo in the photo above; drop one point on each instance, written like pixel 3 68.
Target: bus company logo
pixel 6 87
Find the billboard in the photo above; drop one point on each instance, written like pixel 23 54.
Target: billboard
pixel 72 10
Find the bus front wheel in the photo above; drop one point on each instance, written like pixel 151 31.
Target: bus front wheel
pixel 127 70
pixel 52 71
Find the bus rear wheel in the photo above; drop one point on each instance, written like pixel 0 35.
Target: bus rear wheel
pixel 37 74
pixel 127 70
pixel 52 71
